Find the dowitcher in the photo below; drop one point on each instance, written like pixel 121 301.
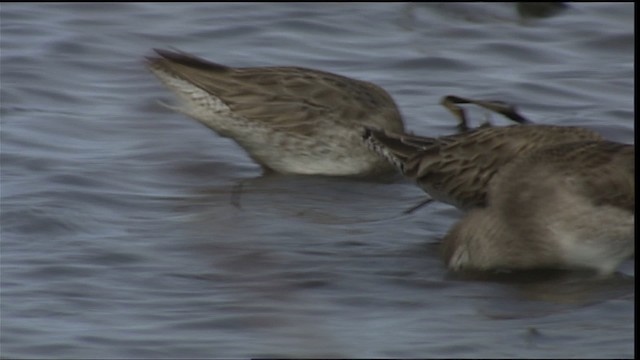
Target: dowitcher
pixel 457 169
pixel 565 206
pixel 290 120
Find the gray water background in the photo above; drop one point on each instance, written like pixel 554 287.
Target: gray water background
pixel 121 236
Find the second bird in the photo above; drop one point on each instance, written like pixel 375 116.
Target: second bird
pixel 457 169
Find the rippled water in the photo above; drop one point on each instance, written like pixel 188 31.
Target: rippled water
pixel 129 231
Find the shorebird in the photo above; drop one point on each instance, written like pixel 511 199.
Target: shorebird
pixel 289 120
pixel 565 206
pixel 457 169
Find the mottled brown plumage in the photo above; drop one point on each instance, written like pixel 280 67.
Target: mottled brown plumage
pixel 288 119
pixel 457 169
pixel 569 205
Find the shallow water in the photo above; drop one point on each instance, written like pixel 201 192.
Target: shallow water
pixel 130 231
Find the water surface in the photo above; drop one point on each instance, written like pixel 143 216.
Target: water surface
pixel 130 231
